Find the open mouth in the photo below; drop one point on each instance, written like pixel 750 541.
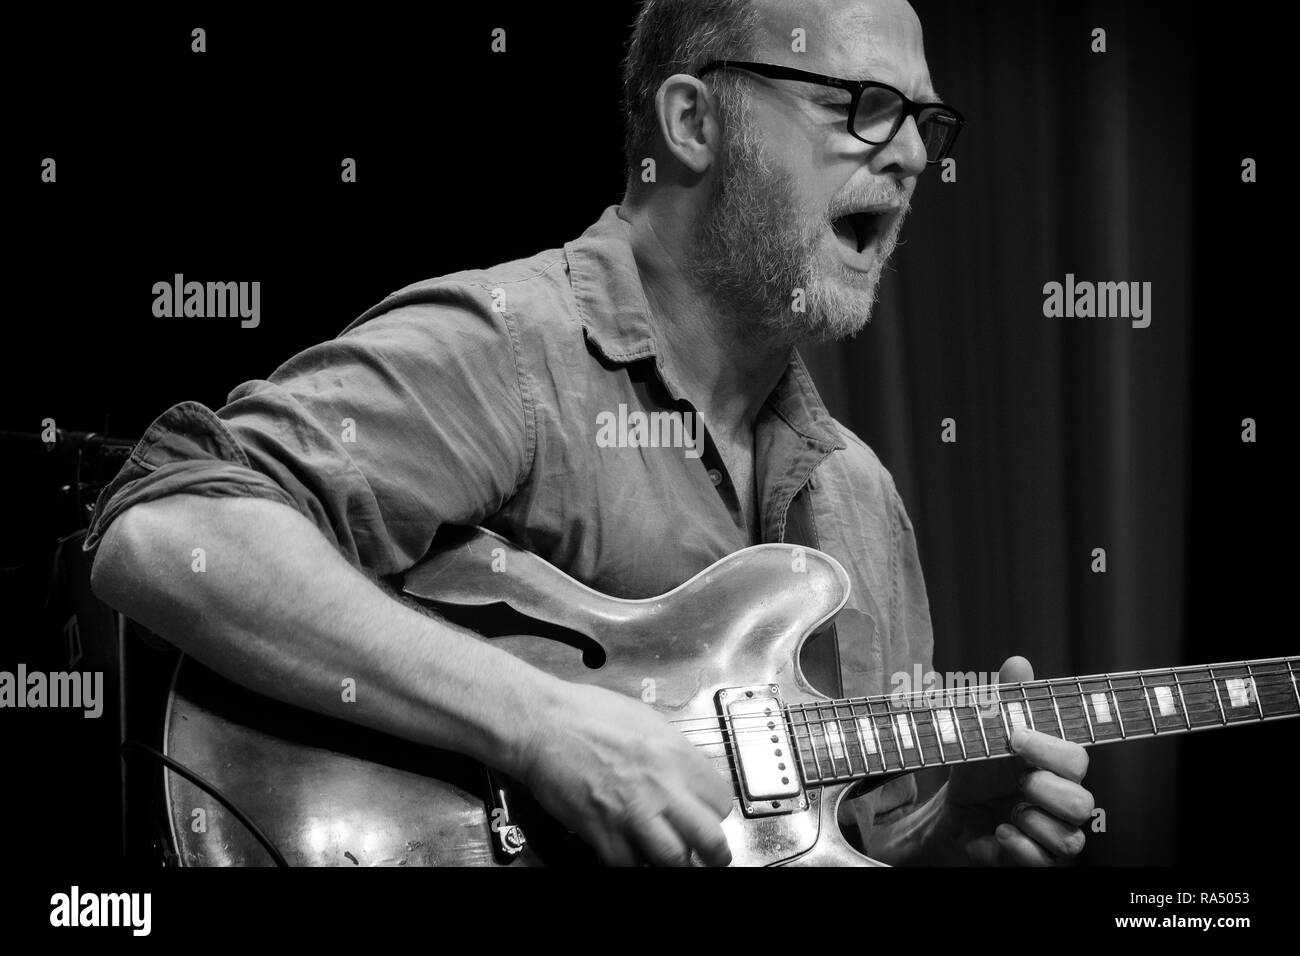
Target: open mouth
pixel 861 229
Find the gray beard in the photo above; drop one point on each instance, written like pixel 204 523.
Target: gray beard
pixel 752 248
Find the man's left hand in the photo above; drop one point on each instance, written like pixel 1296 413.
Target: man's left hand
pixel 1026 810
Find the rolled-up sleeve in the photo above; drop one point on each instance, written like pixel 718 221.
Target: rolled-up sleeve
pixel 415 417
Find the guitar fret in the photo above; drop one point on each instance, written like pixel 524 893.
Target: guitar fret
pixel 867 743
pixel 1103 710
pixel 1168 706
pixel 1147 697
pixel 829 772
pixel 938 734
pixel 1138 706
pixel 812 739
pixel 824 739
pixel 831 731
pixel 876 735
pixel 1294 689
pixel 907 726
pixel 881 744
pixel 803 762
pixel 1028 706
pixel 834 743
pixel 979 721
pixel 856 731
pixel 961 734
pixel 1218 697
pixel 822 755
pixel 893 733
pixel 1051 691
pixel 1083 702
pixel 902 732
pixel 847 740
pixel 1119 716
pixel 868 747
pixel 865 748
pixel 862 744
pixel 1259 700
pixel 1022 711
pixel 1002 712
pixel 1016 718
pixel 920 744
pixel 1187 714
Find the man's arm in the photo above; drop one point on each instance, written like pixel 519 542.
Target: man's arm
pixel 277 609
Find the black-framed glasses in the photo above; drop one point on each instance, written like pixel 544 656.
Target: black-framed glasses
pixel 876 111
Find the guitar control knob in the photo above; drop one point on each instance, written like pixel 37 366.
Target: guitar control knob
pixel 513 839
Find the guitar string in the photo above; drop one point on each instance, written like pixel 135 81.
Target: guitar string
pixel 892 702
pixel 852 766
pixel 1278 680
pixel 1285 678
pixel 852 773
pixel 928 733
pixel 847 749
pixel 849 752
pixel 801 716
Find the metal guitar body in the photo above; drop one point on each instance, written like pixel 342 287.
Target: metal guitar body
pixel 329 793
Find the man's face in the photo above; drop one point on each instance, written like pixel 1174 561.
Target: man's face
pixel 783 212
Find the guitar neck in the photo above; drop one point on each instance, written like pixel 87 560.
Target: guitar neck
pixel 856 737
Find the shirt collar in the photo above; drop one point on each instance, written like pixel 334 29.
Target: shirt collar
pixel 613 310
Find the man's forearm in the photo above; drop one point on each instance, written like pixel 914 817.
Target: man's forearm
pixel 278 610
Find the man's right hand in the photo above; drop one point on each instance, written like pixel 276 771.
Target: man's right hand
pixel 618 774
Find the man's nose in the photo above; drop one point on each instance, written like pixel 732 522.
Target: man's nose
pixel 902 156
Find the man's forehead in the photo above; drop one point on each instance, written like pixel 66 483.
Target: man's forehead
pixel 881 39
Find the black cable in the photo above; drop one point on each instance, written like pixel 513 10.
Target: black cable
pixel 210 790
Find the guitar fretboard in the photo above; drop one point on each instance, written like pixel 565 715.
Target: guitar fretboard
pixel 851 738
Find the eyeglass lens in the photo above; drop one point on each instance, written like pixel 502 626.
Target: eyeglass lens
pixel 878 116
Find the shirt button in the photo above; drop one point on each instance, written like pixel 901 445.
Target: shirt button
pixel 715 476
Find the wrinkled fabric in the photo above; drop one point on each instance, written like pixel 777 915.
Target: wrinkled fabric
pixel 475 398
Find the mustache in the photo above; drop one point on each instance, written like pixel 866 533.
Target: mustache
pixel 895 197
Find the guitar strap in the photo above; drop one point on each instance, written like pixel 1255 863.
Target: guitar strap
pixel 820 658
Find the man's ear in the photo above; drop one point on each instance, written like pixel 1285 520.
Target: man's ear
pixel 688 122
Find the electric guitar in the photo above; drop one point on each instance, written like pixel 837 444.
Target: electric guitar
pixel 718 655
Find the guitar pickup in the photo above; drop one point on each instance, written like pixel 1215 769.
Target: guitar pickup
pixel 760 741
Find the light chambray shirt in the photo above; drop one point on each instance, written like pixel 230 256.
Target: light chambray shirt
pixel 492 397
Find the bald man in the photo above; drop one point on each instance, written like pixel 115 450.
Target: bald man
pixel 772 151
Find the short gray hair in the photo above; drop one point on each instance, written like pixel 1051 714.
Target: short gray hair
pixel 679 36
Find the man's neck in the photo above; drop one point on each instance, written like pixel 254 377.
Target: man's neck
pixel 726 376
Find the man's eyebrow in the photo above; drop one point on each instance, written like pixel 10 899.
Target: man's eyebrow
pixel 834 93
pixel 930 96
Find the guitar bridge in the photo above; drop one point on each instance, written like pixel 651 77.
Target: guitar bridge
pixel 760 743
